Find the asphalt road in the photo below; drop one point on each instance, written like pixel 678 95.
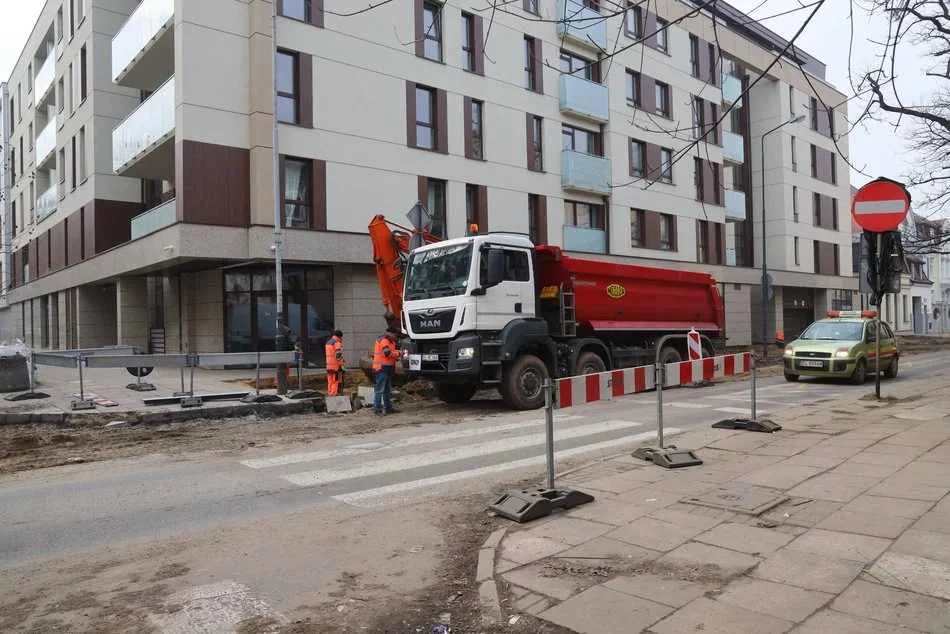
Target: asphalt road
pixel 57 511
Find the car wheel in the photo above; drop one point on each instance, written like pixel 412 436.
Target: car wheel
pixel 860 374
pixel 891 370
pixel 791 378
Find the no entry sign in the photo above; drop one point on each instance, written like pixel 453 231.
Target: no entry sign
pixel 881 205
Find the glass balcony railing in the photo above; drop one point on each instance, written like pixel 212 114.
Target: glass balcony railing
pixel 43 82
pixel 46 143
pixel 731 88
pixel 149 124
pixel 585 239
pixel 156 218
pixel 46 203
pixel 584 98
pixel 584 172
pixel 735 205
pixel 733 147
pixel 581 24
pixel 148 21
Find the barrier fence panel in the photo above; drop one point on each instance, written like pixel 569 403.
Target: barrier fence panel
pixel 57 360
pixel 138 360
pixel 206 359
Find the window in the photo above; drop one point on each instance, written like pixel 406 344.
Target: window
pixel 82 154
pixel 471 205
pixel 834 214
pixel 530 65
pixel 29 135
pixel 814 161
pixel 468 42
pixel 516 266
pixel 287 87
pixel 791 101
pixel 634 22
pixel 13 163
pixel 69 89
pixel 12 110
pixel 794 156
pixel 435 203
pixel 904 312
pixel 22 153
pixel 699 112
pixel 298 193
pixel 537 231
pixel 59 24
pixel 80 11
pixel 713 65
pixel 794 203
pixel 834 168
pixel 432 25
pixel 638 158
pixel 795 246
pixel 663 100
pixel 82 72
pixel 13 216
pixel 475 132
pixel 61 94
pixel 702 244
pixel 694 55
pixel 535 145
pixel 666 165
pixel 662 35
pixel 425 118
pixel 636 228
pixel 19 103
pixel 584 215
pixel 813 113
pixel 531 6
pixel 29 78
pixel 713 136
pixel 32 201
pixel 73 164
pixel 580 140
pixel 667 232
pixel 816 202
pixel 296 9
pixel 577 66
pixel 633 88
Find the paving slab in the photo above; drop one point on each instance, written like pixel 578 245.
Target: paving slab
pixel 523 547
pixel 486 565
pixel 936 521
pixel 899 607
pixel 913 573
pixel 776 599
pixel 900 507
pixel 601 610
pixel 611 511
pixel 711 617
pixel 939 454
pixel 621 482
pixel 700 520
pixel 931 473
pixel 831 451
pixel 836 488
pixel 929 544
pixel 902 487
pixel 538 578
pixel 780 476
pixel 609 549
pixel 695 555
pixel 808 571
pixel 891 449
pixel 569 530
pixel 655 534
pixel 875 524
pixel 814 461
pixel 744 538
pixel 802 512
pixel 650 496
pixel 838 545
pixel 684 485
pixel 741 442
pixel 504 565
pixel 832 622
pixel 660 589
pixel 879 471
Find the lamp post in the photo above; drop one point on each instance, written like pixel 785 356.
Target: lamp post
pixel 765 270
pixel 280 338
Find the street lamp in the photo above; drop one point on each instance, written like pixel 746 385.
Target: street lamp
pixel 765 272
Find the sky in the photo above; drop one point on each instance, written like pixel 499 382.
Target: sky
pixel 875 148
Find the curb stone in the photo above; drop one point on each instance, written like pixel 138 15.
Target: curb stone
pixel 485 578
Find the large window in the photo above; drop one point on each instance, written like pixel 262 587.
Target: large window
pixel 530 64
pixel 468 42
pixel 637 237
pixel 435 203
pixel 251 309
pixel 476 130
pixel 83 86
pixel 579 140
pixel 662 95
pixel 531 6
pixel 666 165
pixel 794 156
pixel 81 150
pixel 296 9
pixel 694 55
pixel 633 22
pixel 633 88
pixel 287 88
pixel 662 35
pixel 432 25
pixel 794 203
pixel 298 193
pixel 577 66
pixel 425 118
pixel 638 158
pixel 667 232
pixel 536 156
pixel 584 215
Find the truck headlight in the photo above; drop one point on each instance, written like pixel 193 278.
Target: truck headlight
pixel 465 353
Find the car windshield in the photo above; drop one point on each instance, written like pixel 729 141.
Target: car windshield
pixel 834 331
pixel 438 272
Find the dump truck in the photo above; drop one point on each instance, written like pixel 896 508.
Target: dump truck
pixel 496 311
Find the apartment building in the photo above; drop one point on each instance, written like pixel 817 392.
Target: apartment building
pixel 514 122
pixel 5 246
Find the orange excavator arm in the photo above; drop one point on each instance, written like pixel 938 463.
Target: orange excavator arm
pixel 391 255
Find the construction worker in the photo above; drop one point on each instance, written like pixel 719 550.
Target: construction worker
pixel 336 364
pixel 385 355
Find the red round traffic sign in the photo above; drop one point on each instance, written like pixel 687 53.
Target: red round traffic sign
pixel 881 205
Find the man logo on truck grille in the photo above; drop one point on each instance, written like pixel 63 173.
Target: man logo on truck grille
pixel 616 291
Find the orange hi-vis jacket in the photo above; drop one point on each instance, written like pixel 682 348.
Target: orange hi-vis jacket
pixel 384 353
pixel 334 353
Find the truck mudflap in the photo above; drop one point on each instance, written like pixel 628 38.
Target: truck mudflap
pixel 446 359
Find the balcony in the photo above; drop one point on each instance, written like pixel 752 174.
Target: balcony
pixel 731 88
pixel 735 205
pixel 733 148
pixel 586 173
pixel 143 144
pixel 584 98
pixel 143 49
pixel 45 145
pixel 46 203
pixel 585 239
pixel 43 82
pixel 581 24
pixel 156 218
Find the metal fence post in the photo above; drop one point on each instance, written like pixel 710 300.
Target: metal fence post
pixel 660 375
pixel 299 355
pixel 754 375
pixel 257 380
pixel 549 428
pixel 82 389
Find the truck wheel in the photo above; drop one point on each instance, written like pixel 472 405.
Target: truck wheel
pixel 860 374
pixel 670 354
pixel 590 363
pixel 456 394
pixel 522 386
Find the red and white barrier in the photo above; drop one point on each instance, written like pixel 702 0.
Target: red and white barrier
pixel 604 386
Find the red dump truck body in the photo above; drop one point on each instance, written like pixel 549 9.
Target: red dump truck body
pixel 610 296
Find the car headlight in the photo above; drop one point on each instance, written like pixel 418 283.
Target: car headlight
pixel 789 351
pixel 842 353
pixel 465 353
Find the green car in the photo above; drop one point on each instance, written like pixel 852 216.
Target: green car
pixel 842 346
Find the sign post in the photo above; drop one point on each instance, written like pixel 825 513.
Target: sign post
pixel 880 207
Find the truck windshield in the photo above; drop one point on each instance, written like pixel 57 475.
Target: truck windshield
pixel 834 331
pixel 438 272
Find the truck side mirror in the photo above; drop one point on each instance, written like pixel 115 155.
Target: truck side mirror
pixel 495 269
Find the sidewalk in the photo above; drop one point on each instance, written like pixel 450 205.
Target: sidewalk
pixel 844 528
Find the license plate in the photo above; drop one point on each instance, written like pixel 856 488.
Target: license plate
pixel 812 364
pixel 415 362
pixel 430 357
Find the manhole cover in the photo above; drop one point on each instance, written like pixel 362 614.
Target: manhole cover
pixel 740 498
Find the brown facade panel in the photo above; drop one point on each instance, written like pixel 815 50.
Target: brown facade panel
pixel 33 260
pixel 74 241
pixel 653 167
pixel 542 221
pixel 442 118
pixel 826 258
pixel 110 222
pixel 305 80
pixel 647 93
pixel 418 19
pixel 57 246
pixel 410 114
pixel 478 45
pixel 538 65
pixel 214 184
pixel 481 209
pixel 649 29
pixel 316 13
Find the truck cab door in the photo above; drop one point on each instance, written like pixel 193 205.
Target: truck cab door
pixel 512 297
